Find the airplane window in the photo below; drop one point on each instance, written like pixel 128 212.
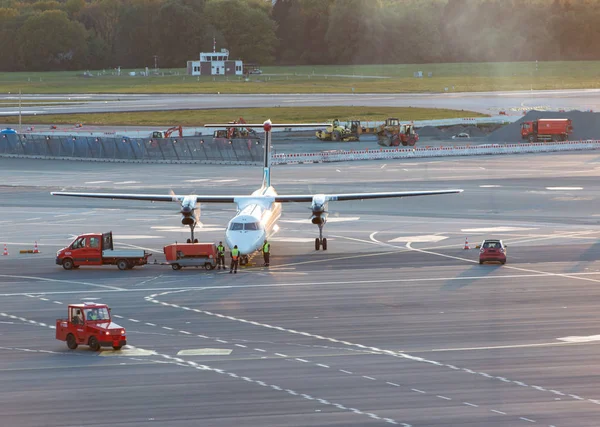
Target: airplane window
pixel 236 226
pixel 251 226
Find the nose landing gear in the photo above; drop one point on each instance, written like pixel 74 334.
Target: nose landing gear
pixel 321 242
pixel 192 240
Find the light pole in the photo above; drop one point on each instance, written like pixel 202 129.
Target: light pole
pixel 155 63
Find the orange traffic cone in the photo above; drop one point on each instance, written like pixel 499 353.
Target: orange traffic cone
pixel 35 248
pixel 5 253
pixel 467 243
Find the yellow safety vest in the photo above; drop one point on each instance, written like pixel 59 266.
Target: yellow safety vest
pixel 221 249
pixel 235 253
pixel 266 248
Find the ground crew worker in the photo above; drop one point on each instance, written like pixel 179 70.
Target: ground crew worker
pixel 266 249
pixel 221 256
pixel 235 259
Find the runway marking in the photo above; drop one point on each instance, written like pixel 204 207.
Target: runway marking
pixel 496 229
pixel 418 239
pixel 398 354
pixel 205 352
pixel 127 182
pixel 498 412
pixel 443 397
pixel 97 182
pixel 490 186
pixel 564 188
pixel 43 279
pixel 576 339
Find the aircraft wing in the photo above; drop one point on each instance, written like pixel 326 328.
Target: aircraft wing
pixel 148 197
pixel 361 196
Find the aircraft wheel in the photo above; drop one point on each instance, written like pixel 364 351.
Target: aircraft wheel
pixel 175 266
pixel 324 243
pixel 317 244
pixel 189 241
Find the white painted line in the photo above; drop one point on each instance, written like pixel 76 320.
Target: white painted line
pixel 241 345
pixel 205 352
pixel 322 365
pixel 494 229
pixel 222 341
pixel 281 355
pixel 392 384
pixel 443 397
pixel 302 360
pixel 57 302
pixel 369 378
pixel 346 372
pixel 260 349
pixel 471 404
pixel 167 328
pixel 498 412
pixel 527 419
pixel 490 186
pixel 150 324
pixel 134 320
pixel 418 239
pixel 185 332
pixel 418 391
pixel 564 188
pixel 580 339
pixel 97 182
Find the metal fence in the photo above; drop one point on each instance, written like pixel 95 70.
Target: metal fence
pixel 141 149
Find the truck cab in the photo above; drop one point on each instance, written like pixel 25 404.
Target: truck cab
pixel 90 324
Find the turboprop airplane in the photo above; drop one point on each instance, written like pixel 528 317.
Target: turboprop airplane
pixel 257 214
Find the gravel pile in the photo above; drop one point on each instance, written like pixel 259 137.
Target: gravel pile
pixel 429 131
pixel 586 125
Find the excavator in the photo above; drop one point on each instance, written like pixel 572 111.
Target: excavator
pixel 350 132
pixel 236 132
pixel 167 134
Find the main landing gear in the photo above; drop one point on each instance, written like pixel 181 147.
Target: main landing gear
pixel 321 241
pixel 244 260
pixel 192 240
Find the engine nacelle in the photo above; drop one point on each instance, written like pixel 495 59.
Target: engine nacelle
pixel 318 219
pixel 319 209
pixel 190 213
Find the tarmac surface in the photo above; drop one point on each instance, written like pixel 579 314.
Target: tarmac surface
pixel 484 102
pixel 395 324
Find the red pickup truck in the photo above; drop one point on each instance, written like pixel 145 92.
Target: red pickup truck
pixel 97 249
pixel 90 324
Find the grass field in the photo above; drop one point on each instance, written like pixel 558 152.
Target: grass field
pixel 251 115
pixel 461 77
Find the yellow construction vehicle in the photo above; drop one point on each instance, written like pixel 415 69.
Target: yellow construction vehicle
pixel 350 132
pixel 393 133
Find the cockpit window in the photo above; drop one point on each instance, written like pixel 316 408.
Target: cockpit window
pixel 251 226
pixel 236 226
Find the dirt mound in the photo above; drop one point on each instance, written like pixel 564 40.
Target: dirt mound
pixel 586 125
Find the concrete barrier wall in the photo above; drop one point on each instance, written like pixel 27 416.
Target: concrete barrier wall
pixel 253 156
pixel 446 151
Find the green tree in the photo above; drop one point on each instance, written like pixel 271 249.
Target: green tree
pixel 50 41
pixel 248 30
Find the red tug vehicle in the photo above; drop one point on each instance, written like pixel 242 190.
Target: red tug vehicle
pixel 90 324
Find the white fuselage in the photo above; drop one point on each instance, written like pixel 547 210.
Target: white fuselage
pixel 253 223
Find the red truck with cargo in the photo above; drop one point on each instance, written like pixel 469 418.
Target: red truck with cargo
pixel 546 130
pixel 97 249
pixel 90 324
pixel 181 255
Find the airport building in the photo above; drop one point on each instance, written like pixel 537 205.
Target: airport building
pixel 215 64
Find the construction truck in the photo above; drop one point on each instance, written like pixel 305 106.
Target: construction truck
pixel 546 130
pixel 336 132
pixel 159 134
pixel 392 133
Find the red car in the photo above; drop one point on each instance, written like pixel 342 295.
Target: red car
pixel 492 250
